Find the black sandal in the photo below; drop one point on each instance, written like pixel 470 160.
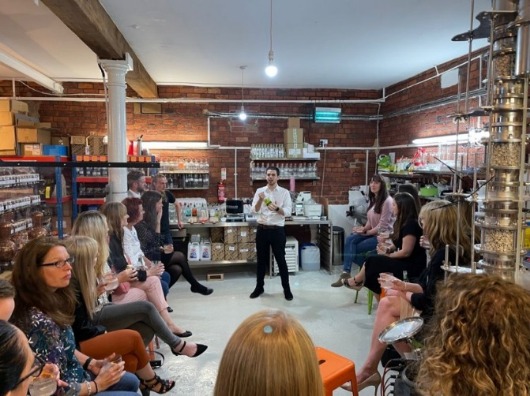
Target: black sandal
pixel 200 349
pixel 157 385
pixel 358 285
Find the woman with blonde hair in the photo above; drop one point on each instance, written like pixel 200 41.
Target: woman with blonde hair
pixel 477 337
pixel 94 340
pixel 147 289
pixel 439 220
pixel 138 315
pixel 269 354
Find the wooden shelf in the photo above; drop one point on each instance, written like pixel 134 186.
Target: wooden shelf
pixel 90 201
pixel 92 179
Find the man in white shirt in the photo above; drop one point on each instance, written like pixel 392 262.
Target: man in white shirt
pixel 136 184
pixel 272 204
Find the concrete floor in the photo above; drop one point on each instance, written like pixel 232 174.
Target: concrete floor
pixel 328 314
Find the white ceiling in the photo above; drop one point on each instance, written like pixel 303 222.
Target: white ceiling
pixel 367 44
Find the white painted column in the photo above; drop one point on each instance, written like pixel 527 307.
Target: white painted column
pixel 116 117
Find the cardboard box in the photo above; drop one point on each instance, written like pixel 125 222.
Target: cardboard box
pixel 231 251
pixel 253 230
pixel 15 106
pixel 216 235
pixel 293 139
pixel 230 235
pixel 96 145
pixel 243 234
pixel 7 138
pixel 34 135
pixel 78 140
pixel 29 149
pixel 244 251
pixel 293 122
pixel 218 251
pixel 252 252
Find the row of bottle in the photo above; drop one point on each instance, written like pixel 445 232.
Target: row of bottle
pixel 267 151
pixel 188 180
pixel 199 213
pixel 93 171
pixel 182 164
pixel 300 170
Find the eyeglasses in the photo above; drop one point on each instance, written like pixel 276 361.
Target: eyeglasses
pixel 59 263
pixel 36 370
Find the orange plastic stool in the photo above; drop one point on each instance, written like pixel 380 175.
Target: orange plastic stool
pixel 335 370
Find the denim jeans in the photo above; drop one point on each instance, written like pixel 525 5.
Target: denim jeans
pixel 355 249
pixel 126 386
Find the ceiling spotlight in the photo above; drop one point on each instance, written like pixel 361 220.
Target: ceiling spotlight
pixel 242 115
pixel 271 70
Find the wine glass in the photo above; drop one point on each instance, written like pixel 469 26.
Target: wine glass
pixel 45 384
pixel 110 280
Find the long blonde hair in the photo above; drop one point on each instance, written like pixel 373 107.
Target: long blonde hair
pixel 476 339
pixel 441 225
pixel 94 224
pixel 85 251
pixel 269 354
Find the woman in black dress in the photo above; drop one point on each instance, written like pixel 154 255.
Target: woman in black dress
pixel 152 243
pixel 404 254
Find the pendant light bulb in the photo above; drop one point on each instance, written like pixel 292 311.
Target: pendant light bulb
pixel 242 115
pixel 271 70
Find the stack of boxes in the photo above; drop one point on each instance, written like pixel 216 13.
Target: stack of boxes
pixel 234 243
pixel 293 138
pixel 20 133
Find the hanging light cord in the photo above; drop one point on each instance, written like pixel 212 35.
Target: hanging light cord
pixel 270 34
pixel 242 83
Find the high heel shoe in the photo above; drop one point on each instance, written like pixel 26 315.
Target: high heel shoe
pixel 155 384
pixel 200 349
pixel 357 286
pixel 185 334
pixel 373 380
pixel 205 291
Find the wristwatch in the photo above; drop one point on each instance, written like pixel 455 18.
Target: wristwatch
pixel 278 209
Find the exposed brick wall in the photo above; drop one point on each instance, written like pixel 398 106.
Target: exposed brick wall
pixel 187 121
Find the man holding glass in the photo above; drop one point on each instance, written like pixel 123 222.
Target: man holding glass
pixel 271 204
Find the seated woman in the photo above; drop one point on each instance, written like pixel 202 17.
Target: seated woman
pixel 44 308
pixel 405 253
pixel 131 289
pixel 94 340
pixel 141 316
pixel 263 349
pixel 147 227
pixel 363 239
pixel 440 226
pixel 476 339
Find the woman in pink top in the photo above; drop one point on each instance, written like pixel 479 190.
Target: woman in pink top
pixel 363 239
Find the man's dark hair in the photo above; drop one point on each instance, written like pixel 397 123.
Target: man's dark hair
pixel 274 168
pixel 134 176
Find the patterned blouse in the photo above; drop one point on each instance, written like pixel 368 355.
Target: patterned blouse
pixel 55 345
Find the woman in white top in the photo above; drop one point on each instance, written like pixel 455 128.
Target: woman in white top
pixel 138 289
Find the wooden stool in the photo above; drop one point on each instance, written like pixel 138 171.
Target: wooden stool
pixel 335 370
pixel 370 300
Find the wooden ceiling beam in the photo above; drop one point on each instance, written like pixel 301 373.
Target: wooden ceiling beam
pixel 91 23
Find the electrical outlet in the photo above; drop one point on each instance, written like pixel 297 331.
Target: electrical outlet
pixel 353 165
pixel 323 142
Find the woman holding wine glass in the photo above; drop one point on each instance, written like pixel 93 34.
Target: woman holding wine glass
pixel 441 228
pixel 404 254
pixel 94 340
pixel 141 314
pixel 147 227
pixel 44 310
